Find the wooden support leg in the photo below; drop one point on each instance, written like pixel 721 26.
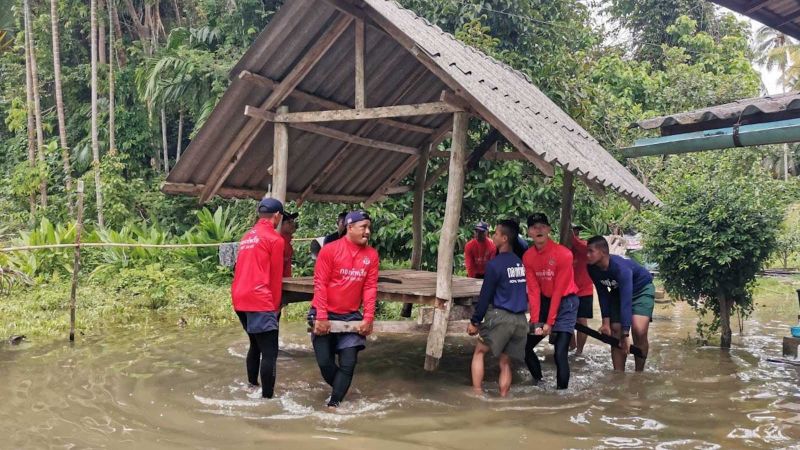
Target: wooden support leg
pixel 567 195
pixel 418 211
pixel 447 241
pixel 280 157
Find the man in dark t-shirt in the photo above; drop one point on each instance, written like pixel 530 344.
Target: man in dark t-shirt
pixel 499 316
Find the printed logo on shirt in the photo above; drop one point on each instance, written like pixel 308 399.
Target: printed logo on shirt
pixel 353 274
pixel 516 274
pixel 551 261
pixel 546 274
pixel 366 261
pixel 249 242
pixel 609 283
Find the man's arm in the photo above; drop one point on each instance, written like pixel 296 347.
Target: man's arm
pixel 469 261
pixel 624 278
pixel 322 275
pixel 534 291
pixel 488 288
pixel 276 271
pixel 370 292
pixel 564 277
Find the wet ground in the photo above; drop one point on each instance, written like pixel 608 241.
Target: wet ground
pixel 168 388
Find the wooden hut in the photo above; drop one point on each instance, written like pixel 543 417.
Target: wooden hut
pixel 340 100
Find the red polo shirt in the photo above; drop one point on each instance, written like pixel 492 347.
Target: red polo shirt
pixel 257 278
pixel 345 276
pixel 288 251
pixel 580 265
pixel 477 254
pixel 548 272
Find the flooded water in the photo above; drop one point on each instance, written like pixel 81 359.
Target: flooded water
pixel 170 388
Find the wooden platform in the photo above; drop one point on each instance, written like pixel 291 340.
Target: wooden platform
pixel 399 285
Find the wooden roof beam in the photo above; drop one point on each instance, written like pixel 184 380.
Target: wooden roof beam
pixel 755 6
pixel 326 103
pixel 380 112
pixel 257 194
pixel 246 135
pixel 332 133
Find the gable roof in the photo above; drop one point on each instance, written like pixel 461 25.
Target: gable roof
pixel 408 61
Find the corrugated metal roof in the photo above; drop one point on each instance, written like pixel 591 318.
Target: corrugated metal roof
pixel 746 111
pixel 399 44
pixel 782 15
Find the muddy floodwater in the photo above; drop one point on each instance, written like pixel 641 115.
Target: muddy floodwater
pixel 168 388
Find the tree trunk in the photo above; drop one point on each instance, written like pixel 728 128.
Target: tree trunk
pixel 95 143
pixel 29 108
pixel 180 135
pixel 725 322
pixel 101 36
pixel 62 123
pixel 164 141
pixel 140 24
pixel 37 107
pixel 119 51
pixel 112 143
pixel 177 12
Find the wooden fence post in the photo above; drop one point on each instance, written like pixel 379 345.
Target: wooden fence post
pixel 280 157
pixel 76 264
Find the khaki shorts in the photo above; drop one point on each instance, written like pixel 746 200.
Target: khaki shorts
pixel 504 332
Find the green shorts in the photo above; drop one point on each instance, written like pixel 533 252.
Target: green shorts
pixel 504 332
pixel 643 303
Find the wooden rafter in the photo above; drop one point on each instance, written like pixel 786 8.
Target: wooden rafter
pixel 257 194
pixel 409 84
pixel 251 111
pixel 329 104
pixel 246 136
pixel 360 92
pixel 380 112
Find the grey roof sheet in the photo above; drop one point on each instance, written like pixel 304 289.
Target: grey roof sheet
pixel 740 110
pixel 508 98
pixel 782 15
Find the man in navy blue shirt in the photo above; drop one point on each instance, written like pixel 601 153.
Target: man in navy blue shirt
pixel 627 298
pixel 499 316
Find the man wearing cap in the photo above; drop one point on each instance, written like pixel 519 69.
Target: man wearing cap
pixel 585 286
pixel 479 251
pixel 256 293
pixel 552 296
pixel 340 229
pixel 288 227
pixel 500 313
pixel 627 299
pixel 345 279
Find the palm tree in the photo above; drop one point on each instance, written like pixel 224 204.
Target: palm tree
pixel 6 26
pixel 37 107
pixel 95 143
pixel 112 144
pixel 62 125
pixel 29 108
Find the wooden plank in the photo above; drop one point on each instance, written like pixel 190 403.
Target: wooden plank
pixel 248 133
pixel 280 159
pixel 257 194
pixel 380 112
pixel 354 139
pixel 455 328
pixel 447 241
pixel 360 94
pixel 567 196
pixel 398 190
pixel 329 104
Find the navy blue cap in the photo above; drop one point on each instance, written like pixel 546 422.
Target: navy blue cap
pixel 270 205
pixel 356 216
pixel 541 218
pixel 290 216
pixel 482 226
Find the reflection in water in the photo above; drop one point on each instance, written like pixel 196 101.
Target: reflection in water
pixel 177 388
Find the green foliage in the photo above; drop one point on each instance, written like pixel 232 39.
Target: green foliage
pixel 716 230
pixel 788 243
pixel 44 263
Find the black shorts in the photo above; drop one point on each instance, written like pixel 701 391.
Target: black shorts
pixel 586 307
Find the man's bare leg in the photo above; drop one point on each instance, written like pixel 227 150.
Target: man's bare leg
pixel 618 357
pixel 477 367
pixel 581 337
pixel 639 329
pixel 505 375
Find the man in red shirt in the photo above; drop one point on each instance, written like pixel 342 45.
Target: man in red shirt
pixel 585 286
pixel 288 227
pixel 256 293
pixel 345 278
pixel 551 292
pixel 479 251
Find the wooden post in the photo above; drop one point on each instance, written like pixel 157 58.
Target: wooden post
pixel 418 209
pixel 76 263
pixel 280 157
pixel 361 99
pixel 447 241
pixel 567 195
